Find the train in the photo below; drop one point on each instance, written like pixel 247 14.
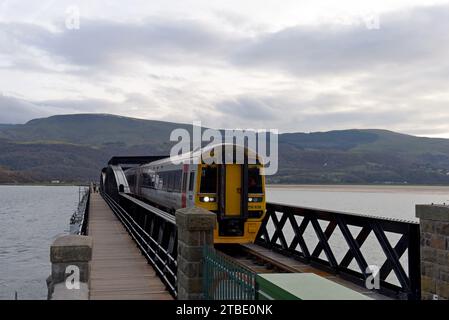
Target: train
pixel 233 190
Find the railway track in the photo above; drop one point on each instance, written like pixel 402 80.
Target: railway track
pixel 260 260
pixel 253 260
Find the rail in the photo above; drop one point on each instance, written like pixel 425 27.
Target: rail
pixel 154 232
pixel 298 232
pixel 80 218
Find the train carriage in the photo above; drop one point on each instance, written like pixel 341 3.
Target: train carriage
pixel 233 190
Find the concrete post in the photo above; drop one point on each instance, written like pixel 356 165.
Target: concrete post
pixel 70 256
pixel 434 225
pixel 195 230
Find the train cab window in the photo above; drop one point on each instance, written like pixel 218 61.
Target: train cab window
pixel 254 180
pixel 208 180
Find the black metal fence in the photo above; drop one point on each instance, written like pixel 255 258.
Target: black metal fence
pixel 154 232
pixel 84 223
pixel 223 279
pixel 285 227
pixel 79 219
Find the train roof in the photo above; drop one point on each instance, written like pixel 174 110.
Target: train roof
pixel 134 160
pixel 205 153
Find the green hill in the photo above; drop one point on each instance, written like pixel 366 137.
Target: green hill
pixel 76 147
pixel 91 129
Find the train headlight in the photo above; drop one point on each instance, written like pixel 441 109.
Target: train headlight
pixel 255 199
pixel 207 199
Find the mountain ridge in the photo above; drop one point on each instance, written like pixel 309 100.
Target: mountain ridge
pixel 75 147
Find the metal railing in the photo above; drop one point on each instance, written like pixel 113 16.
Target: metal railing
pixel 80 218
pixel 223 279
pixel 154 232
pixel 285 227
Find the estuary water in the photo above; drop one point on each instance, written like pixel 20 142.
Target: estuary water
pixel 396 202
pixel 384 201
pixel 31 217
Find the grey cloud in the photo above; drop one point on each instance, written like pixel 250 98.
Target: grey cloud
pixel 80 105
pixel 391 71
pixel 103 42
pixel 248 108
pixel 404 38
pixel 14 110
pixel 322 113
pixel 132 102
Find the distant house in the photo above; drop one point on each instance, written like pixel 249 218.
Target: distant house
pixel 55 181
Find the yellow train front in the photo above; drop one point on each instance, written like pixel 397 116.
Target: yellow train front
pixel 238 199
pixel 233 190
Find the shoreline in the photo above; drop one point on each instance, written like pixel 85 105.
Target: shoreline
pixel 44 184
pixel 362 188
pixel 302 187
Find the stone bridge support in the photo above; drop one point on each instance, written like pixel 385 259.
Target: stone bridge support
pixel 70 257
pixel 434 225
pixel 195 230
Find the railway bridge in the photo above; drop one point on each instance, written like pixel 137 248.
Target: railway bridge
pixel 137 251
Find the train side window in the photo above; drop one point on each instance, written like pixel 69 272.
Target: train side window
pixel 166 181
pixel 208 180
pixel 169 181
pixel 177 182
pixel 254 180
pixel 191 180
pixel 174 181
pixel 153 180
pixel 156 181
pixel 184 182
pixel 160 182
pixel 146 180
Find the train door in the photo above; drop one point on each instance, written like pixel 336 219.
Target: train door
pixel 191 189
pixel 233 189
pixel 185 175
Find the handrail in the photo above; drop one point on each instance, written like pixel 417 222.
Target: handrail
pixel 301 218
pixel 163 214
pixel 84 223
pixel 79 219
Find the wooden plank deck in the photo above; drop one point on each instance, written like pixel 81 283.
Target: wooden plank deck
pixel 118 269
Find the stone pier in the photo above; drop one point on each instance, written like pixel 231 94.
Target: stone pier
pixel 195 230
pixel 434 225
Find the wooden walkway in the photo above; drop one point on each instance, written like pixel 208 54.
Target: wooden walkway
pixel 118 269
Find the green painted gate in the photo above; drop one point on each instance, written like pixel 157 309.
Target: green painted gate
pixel 223 279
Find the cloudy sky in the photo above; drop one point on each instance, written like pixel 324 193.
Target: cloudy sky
pixel 291 65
